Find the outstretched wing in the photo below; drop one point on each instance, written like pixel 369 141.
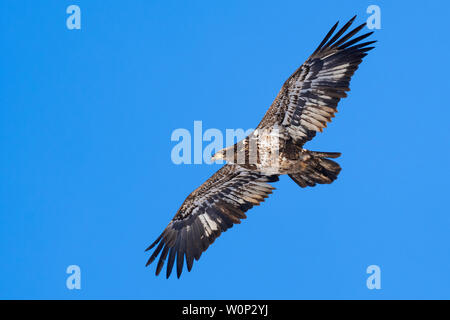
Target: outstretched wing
pixel 309 98
pixel 208 211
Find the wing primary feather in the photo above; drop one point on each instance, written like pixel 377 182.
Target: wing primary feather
pixel 349 35
pixel 359 46
pixel 190 248
pixel 181 251
pixel 155 253
pixel 161 260
pixel 340 32
pixel 353 41
pixel 171 259
pixel 197 242
pixel 154 243
pixel 326 37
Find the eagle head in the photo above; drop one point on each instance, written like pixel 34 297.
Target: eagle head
pixel 223 154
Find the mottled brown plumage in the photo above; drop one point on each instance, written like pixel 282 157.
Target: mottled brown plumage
pixel 305 104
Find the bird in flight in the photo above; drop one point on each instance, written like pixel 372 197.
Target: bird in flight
pixel 305 104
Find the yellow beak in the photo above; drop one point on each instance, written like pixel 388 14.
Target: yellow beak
pixel 217 156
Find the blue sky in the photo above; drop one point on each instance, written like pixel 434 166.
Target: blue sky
pixel 86 176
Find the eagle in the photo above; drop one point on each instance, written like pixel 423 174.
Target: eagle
pixel 305 104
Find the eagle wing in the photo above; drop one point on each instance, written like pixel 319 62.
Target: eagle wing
pixel 207 212
pixel 309 98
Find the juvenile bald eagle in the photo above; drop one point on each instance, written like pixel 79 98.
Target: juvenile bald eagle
pixel 305 104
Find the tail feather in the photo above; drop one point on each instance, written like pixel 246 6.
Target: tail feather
pixel 319 154
pixel 319 170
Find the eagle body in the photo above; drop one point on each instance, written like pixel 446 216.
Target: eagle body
pixel 305 104
pixel 271 152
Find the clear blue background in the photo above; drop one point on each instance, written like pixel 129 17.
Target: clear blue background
pixel 86 176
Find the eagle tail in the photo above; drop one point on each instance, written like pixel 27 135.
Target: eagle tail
pixel 320 169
